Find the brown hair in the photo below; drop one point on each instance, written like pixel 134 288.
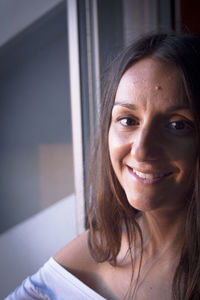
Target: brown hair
pixel 108 208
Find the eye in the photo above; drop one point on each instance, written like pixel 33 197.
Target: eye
pixel 127 121
pixel 181 126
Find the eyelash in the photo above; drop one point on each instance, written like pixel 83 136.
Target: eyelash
pixel 127 118
pixel 187 126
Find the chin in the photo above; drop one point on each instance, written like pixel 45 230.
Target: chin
pixel 143 206
pixel 151 202
pixel 147 204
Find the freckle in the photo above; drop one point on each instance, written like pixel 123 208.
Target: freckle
pixel 157 87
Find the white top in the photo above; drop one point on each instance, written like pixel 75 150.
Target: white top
pixel 53 282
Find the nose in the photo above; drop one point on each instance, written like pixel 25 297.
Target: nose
pixel 147 145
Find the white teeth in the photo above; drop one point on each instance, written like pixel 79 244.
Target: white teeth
pixel 147 176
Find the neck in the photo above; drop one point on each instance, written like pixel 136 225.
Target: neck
pixel 164 229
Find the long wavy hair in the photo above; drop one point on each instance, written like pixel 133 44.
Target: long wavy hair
pixel 109 212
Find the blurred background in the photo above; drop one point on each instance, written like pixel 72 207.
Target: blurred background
pixel 53 54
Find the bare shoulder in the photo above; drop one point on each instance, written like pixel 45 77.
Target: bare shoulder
pixel 76 258
pixel 76 255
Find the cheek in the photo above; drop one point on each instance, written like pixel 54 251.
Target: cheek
pixel 118 147
pixel 184 153
pixel 179 146
pixel 183 157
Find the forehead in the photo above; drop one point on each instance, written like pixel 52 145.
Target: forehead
pixel 151 79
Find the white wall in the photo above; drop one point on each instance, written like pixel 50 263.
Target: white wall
pixel 27 246
pixel 17 15
pixel 35 132
pixel 35 121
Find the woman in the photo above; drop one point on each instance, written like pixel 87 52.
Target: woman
pixel 143 240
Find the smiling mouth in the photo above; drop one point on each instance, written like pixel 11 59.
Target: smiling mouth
pixel 148 177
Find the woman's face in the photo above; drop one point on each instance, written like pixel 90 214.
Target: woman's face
pixel 152 136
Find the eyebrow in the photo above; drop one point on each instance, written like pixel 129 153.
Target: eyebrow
pixel 178 107
pixel 127 105
pixel 169 109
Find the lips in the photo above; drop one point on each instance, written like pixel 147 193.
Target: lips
pixel 148 177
